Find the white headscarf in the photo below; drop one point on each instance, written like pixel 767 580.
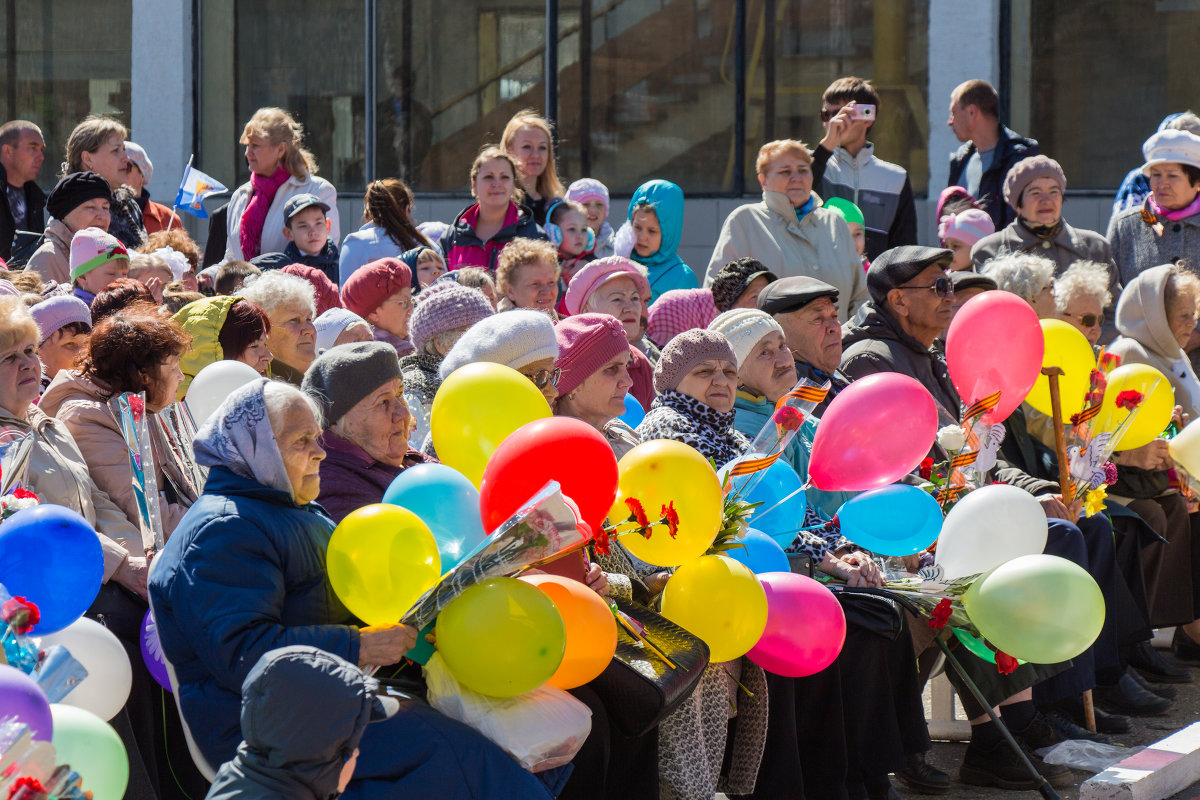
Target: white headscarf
pixel 239 437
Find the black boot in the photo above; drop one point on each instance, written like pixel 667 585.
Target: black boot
pixel 1065 727
pixel 1127 697
pixel 1185 648
pixel 1155 667
pixel 922 777
pixel 996 764
pixel 1161 689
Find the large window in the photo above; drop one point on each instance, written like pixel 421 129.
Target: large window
pixel 61 61
pixel 1091 79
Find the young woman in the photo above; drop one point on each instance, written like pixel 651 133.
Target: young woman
pixel 482 230
pixel 98 145
pixel 387 231
pixel 529 140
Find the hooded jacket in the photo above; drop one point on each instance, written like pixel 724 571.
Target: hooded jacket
pixel 665 269
pixel 819 245
pixel 52 260
pixel 1010 148
pixel 1146 336
pixel 203 320
pixel 35 217
pixel 462 247
pixel 283 754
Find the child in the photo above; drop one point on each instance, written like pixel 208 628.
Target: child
pixel 593 196
pixel 655 227
pixel 97 259
pixel 960 231
pixel 64 323
pixel 567 229
pixel 427 266
pixel 381 293
pixel 854 218
pixel 306 227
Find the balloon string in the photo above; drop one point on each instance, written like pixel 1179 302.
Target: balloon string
pixel 758 515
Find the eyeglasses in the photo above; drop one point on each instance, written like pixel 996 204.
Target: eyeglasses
pixel 545 376
pixel 1086 320
pixel 942 287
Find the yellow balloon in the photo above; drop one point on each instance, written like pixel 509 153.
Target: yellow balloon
pixel 476 408
pixel 381 559
pixel 1185 449
pixel 719 600
pixel 1153 413
pixel 1069 350
pixel 659 473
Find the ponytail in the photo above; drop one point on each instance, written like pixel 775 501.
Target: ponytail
pixel 387 203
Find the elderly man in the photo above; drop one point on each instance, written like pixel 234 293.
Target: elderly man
pixel 366 420
pixel 806 309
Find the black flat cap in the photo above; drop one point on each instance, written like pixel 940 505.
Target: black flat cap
pixel 966 279
pixel 900 265
pixel 794 293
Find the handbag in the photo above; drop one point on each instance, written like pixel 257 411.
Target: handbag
pixel 871 610
pixel 639 688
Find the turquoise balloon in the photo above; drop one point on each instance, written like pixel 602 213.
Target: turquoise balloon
pixel 780 521
pixel 445 501
pixel 893 521
pixel 760 553
pixel 634 413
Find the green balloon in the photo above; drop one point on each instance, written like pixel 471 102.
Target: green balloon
pixel 93 749
pixel 1039 608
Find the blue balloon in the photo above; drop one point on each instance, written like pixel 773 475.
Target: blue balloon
pixel 778 518
pixel 51 556
pixel 634 413
pixel 896 520
pixel 445 501
pixel 760 553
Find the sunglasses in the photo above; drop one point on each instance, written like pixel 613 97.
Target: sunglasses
pixel 942 287
pixel 1086 320
pixel 545 376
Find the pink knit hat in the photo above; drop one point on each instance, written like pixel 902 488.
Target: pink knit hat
pixel 967 227
pixel 373 283
pixel 586 190
pixel 951 193
pixel 92 247
pixel 595 273
pixel 327 291
pixel 444 307
pixel 680 310
pixel 586 342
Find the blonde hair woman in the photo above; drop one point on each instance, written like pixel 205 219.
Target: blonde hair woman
pixel 280 168
pixel 98 145
pixel 529 140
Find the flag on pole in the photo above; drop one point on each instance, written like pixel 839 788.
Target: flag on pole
pixel 194 188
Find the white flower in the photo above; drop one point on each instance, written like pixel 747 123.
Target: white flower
pixel 951 438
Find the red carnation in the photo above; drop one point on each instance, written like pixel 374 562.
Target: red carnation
pixel 1129 399
pixel 1110 473
pixel 20 614
pixel 637 513
pixel 24 494
pixel 788 418
pixel 1005 664
pixel 926 468
pixel 600 540
pixel 941 614
pixel 672 518
pixel 138 406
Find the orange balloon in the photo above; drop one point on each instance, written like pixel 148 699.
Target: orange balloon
pixel 591 629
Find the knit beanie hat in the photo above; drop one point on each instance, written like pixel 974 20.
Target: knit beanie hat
pixel 74 190
pixel 587 190
pixel 331 323
pixel 586 342
pixel 743 328
pixel 444 307
pixel 514 339
pixel 342 376
pixel 1026 171
pixel 596 273
pixel 967 227
pixel 686 351
pixel 91 248
pixel 678 310
pixel 732 279
pixel 850 212
pixel 52 314
pixel 951 193
pixel 137 154
pixel 373 283
pixel 326 290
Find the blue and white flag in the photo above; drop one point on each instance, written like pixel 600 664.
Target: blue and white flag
pixel 195 187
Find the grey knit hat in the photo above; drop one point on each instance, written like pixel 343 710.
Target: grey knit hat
pixel 512 338
pixel 444 307
pixel 1028 170
pixel 686 351
pixel 343 375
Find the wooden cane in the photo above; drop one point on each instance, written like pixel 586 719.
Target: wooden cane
pixel 1064 482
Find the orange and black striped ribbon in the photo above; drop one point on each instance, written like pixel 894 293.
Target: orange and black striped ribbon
pixel 750 466
pixel 810 394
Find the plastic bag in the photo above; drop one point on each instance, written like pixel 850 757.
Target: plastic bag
pixel 1085 755
pixel 542 729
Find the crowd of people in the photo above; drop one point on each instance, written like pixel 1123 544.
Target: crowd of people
pixel 105 293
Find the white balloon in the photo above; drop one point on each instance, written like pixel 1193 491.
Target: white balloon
pixel 1185 449
pixel 110 676
pixel 988 527
pixel 213 384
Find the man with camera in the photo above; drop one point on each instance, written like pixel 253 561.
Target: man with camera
pixel 844 165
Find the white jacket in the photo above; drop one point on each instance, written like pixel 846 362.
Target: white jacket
pixel 273 240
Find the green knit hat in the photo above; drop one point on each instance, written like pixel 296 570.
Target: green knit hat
pixel 850 212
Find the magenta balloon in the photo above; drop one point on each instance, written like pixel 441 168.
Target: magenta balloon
pixel 874 433
pixel 22 698
pixel 995 342
pixel 805 626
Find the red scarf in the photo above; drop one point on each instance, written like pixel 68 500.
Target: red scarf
pixel 262 192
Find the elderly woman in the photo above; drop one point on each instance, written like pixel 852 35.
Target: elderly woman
pixel 790 232
pixel 483 230
pixel 223 328
pixel 739 283
pixel 1080 296
pixel 528 140
pixel 97 145
pixel 677 311
pixel 290 305
pixel 521 339
pixel 381 293
pixel 1028 276
pixel 134 350
pixel 444 313
pixel 1165 229
pixel 79 200
pixel 527 275
pixel 246 567
pixel 280 168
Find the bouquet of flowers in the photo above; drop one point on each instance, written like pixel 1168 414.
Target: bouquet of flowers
pixel 1090 445
pixel 971 449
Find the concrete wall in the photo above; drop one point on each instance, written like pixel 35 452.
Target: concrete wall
pixel 161 89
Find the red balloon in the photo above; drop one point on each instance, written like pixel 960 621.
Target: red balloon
pixel 806 626
pixel 874 432
pixel 995 343
pixel 562 449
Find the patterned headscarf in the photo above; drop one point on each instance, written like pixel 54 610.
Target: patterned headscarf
pixel 238 436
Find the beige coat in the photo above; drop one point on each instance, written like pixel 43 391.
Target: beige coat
pixel 273 240
pixel 52 261
pixel 58 474
pixel 819 246
pixel 82 407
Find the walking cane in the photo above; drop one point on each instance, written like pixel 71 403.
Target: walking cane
pixel 1064 483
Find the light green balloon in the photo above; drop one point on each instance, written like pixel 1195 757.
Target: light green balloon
pixel 1039 608
pixel 93 749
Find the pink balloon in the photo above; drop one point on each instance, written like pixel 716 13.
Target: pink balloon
pixel 874 433
pixel 805 626
pixel 993 343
